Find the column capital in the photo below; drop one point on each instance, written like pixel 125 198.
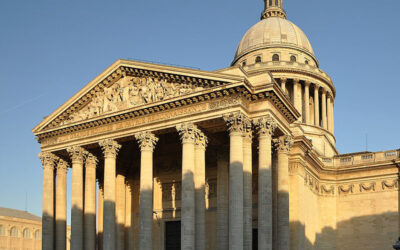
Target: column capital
pixel 48 159
pixel 77 154
pixel 323 90
pixel 284 79
pixel 266 125
pixel 91 160
pixel 147 141
pixel 201 139
pixel 247 130
pixel 296 80
pixel 283 144
pixel 62 166
pixel 307 83
pixel 235 122
pixel 187 132
pixel 316 86
pixel 110 147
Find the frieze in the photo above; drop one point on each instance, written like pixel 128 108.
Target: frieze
pixel 365 187
pixel 327 191
pixel 129 92
pixel 346 189
pixel 393 184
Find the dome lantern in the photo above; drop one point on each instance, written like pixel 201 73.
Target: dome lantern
pixel 273 8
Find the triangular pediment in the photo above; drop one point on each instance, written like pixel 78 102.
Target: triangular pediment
pixel 129 84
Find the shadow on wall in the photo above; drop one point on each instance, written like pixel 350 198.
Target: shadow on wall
pixel 374 232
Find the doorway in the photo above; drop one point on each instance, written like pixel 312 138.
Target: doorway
pixel 172 235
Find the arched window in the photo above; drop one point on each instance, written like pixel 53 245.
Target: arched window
pixel 275 58
pixel 2 231
pixel 243 63
pixel 270 2
pixel 258 59
pixel 14 232
pixel 306 62
pixel 37 235
pixel 276 3
pixel 26 233
pixel 293 59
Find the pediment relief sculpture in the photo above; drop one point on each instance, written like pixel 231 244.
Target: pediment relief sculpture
pixel 129 92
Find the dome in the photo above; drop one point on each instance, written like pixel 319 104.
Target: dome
pixel 273 32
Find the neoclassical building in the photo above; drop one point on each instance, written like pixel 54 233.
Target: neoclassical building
pixel 243 157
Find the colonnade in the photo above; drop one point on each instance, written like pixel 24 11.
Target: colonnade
pixel 234 194
pixel 314 102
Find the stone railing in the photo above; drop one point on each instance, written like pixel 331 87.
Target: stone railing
pixel 360 158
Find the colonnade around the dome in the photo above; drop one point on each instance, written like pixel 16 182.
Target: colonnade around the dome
pixel 314 102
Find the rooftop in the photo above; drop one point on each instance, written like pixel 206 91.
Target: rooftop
pixel 9 212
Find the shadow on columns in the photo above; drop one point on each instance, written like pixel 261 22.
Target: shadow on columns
pixel 362 232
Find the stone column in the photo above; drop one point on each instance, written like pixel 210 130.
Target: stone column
pixel 110 150
pixel 100 216
pixel 266 127
pixel 283 145
pixel 316 105
pixel 247 186
pixel 222 200
pixel 147 142
pixel 78 155
pixel 187 132
pixel 120 211
pixel 330 113
pixel 90 202
pixel 128 217
pixel 323 104
pixel 61 205
pixel 199 184
pixel 306 104
pixel 235 123
pixel 283 85
pixel 48 162
pixel 297 97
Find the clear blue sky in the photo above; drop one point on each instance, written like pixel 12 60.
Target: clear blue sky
pixel 51 49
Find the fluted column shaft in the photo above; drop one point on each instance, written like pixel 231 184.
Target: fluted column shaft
pixel 306 104
pixel 235 122
pixel 110 150
pixel 187 132
pixel 330 113
pixel 247 188
pixel 283 145
pixel 128 217
pixel 147 142
pixel 283 85
pixel 200 182
pixel 90 202
pixel 266 127
pixel 316 105
pixel 61 205
pixel 120 211
pixel 78 155
pixel 48 162
pixel 297 97
pixel 323 104
pixel 222 200
pixel 100 217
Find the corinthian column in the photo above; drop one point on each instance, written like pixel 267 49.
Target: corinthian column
pixel 78 155
pixel 100 215
pixel 120 211
pixel 188 131
pixel 90 202
pixel 48 162
pixel 297 97
pixel 222 199
pixel 147 142
pixel 235 122
pixel 247 186
pixel 283 85
pixel 283 145
pixel 316 105
pixel 110 150
pixel 306 103
pixel 266 127
pixel 61 205
pixel 324 120
pixel 199 182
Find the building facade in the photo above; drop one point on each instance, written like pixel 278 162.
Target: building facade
pixel 239 158
pixel 19 230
